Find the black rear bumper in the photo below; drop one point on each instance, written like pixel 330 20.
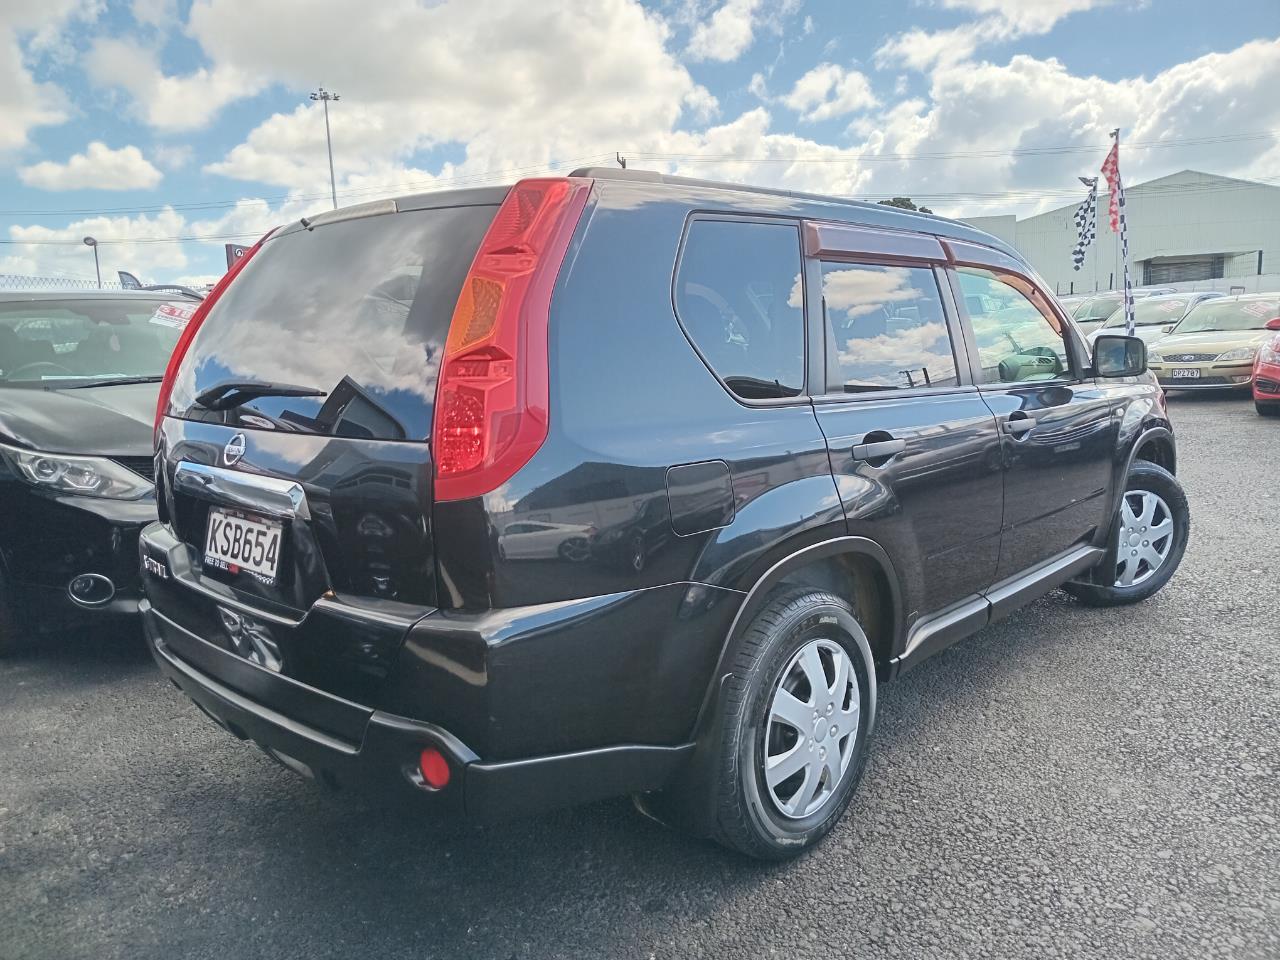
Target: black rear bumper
pixel 342 744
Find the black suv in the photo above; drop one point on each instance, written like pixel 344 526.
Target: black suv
pixel 627 484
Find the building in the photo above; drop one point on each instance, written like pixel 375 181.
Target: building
pixel 1189 230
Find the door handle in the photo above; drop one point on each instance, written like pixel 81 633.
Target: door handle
pixel 879 450
pixel 1018 424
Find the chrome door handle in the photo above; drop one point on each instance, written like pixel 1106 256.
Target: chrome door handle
pixel 878 450
pixel 1019 425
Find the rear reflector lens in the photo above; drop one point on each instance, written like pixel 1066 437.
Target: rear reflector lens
pixel 491 410
pixel 434 768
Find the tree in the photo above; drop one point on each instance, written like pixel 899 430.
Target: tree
pixel 904 203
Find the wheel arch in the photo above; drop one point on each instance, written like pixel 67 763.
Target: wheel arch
pixel 1156 444
pixel 841 565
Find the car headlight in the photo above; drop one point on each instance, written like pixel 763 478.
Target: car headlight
pixel 1270 353
pixel 1240 353
pixel 1153 356
pixel 87 476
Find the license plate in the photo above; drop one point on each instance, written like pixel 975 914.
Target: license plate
pixel 1184 373
pixel 236 542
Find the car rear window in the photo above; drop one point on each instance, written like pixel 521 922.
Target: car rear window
pixel 358 309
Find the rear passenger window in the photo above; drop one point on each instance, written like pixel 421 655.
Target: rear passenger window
pixel 739 298
pixel 886 329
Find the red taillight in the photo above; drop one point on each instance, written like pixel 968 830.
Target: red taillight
pixel 189 332
pixel 492 396
pixel 434 768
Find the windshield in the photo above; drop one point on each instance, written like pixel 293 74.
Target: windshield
pixel 1229 315
pixel 80 341
pixel 1097 308
pixel 1150 313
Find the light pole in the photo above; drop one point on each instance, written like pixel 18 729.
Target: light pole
pixel 90 242
pixel 324 96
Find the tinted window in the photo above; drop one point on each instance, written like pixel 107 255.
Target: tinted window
pixel 886 329
pixel 1019 337
pixel 1097 308
pixel 739 297
pixel 64 342
pixel 359 309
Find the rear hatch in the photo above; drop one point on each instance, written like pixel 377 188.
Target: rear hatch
pixel 296 466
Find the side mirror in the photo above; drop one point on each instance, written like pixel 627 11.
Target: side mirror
pixel 1168 328
pixel 1119 356
pixel 1273 324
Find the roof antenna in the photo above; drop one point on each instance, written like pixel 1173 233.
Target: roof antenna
pixel 622 161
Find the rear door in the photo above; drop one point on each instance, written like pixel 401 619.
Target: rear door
pixel 282 500
pixel 913 447
pixel 1060 434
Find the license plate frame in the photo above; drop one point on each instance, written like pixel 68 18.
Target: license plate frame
pixel 1184 373
pixel 225 551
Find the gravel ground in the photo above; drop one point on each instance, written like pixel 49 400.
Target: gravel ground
pixel 1068 783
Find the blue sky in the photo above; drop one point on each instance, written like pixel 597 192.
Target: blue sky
pixel 165 128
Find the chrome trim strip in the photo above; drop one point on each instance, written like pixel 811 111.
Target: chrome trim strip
pixel 274 496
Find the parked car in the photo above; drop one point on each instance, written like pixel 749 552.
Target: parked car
pixel 1214 346
pixel 827 468
pixel 79 376
pixel 539 540
pixel 1153 317
pixel 1094 311
pixel 1266 378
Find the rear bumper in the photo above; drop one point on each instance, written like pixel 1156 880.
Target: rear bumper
pixel 342 744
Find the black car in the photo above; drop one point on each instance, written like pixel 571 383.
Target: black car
pixel 790 462
pixel 79 375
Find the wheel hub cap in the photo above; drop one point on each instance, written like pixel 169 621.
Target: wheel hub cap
pixel 1145 538
pixel 812 728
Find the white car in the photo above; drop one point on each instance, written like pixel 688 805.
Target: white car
pixel 532 540
pixel 1153 317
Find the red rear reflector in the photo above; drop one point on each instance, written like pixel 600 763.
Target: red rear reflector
pixel 193 325
pixel 491 410
pixel 434 768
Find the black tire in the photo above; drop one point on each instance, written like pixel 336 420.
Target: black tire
pixel 744 817
pixel 1267 408
pixel 1143 476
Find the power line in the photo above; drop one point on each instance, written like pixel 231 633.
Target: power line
pixel 497 175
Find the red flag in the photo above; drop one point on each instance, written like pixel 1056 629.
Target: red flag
pixel 1111 170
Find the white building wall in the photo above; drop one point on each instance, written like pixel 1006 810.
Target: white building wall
pixel 1186 214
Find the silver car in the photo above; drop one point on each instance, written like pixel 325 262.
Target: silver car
pixel 1153 317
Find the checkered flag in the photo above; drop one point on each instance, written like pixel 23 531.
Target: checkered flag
pixel 1086 222
pixel 1115 209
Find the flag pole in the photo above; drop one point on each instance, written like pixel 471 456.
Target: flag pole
pixel 1124 242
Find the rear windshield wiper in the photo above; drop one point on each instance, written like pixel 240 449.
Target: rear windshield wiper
pixel 233 393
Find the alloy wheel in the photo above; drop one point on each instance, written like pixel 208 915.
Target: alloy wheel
pixel 812 728
pixel 1145 538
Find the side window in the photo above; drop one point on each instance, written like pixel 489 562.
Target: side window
pixel 886 329
pixel 1019 337
pixel 739 298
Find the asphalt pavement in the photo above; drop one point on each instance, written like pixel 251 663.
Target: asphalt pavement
pixel 1068 783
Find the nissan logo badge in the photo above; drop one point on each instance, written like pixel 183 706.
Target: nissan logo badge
pixel 234 450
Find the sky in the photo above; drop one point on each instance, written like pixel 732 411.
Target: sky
pixel 166 128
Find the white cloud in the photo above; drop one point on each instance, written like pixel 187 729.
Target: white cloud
pixel 26 103
pixel 727 34
pixel 829 90
pixel 155 13
pixel 98 168
pixel 166 102
pixel 173 156
pixel 50 251
pixel 1000 21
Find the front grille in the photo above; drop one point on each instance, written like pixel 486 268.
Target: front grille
pixel 1267 386
pixel 1189 357
pixel 1197 382
pixel 144 467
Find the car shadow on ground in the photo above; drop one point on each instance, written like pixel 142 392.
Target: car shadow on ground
pixel 589 880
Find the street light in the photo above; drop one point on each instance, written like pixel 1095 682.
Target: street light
pixel 324 96
pixel 90 242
